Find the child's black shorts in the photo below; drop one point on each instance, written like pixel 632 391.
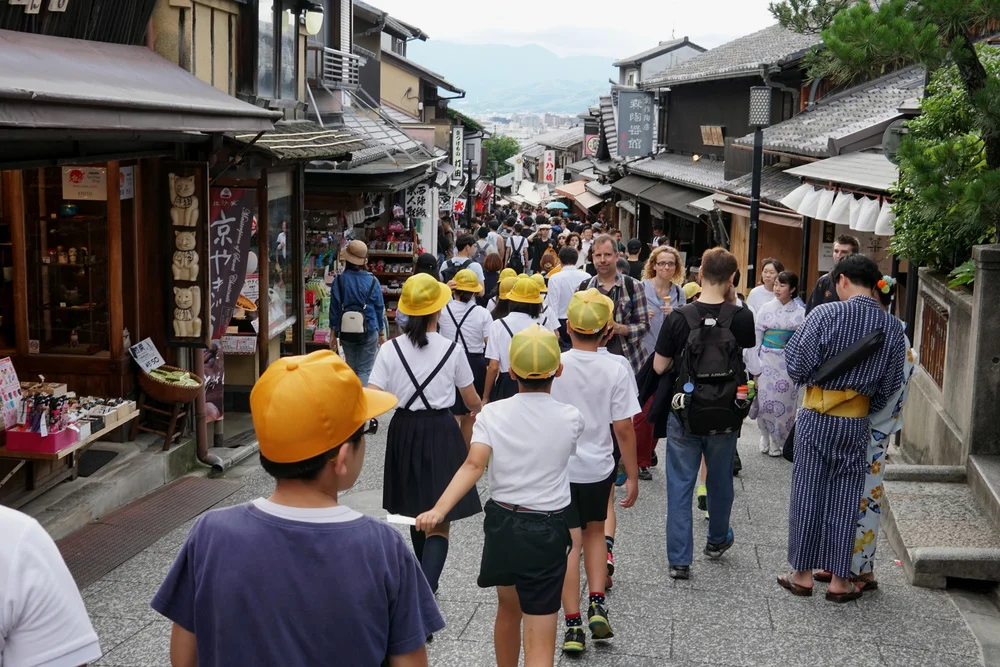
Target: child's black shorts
pixel 589 502
pixel 526 550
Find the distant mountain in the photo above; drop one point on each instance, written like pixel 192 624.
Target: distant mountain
pixel 507 79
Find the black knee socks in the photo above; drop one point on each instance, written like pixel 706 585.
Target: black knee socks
pixel 418 537
pixel 432 561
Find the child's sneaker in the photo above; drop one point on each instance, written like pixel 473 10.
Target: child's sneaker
pixel 702 497
pixel 575 640
pixel 620 479
pixel 600 627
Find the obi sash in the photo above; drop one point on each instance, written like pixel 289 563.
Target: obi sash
pixel 837 403
pixel 777 339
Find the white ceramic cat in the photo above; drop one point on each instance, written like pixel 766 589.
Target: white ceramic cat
pixel 183 203
pixel 187 300
pixel 185 264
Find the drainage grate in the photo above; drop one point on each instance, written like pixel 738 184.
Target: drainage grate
pixel 105 544
pixel 240 440
pixel 93 460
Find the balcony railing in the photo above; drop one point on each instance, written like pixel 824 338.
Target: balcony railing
pixel 332 68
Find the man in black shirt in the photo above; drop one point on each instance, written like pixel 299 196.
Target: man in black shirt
pixel 539 242
pixel 685 450
pixel 635 265
pixel 825 291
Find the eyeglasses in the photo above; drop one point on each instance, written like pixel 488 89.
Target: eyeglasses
pixel 665 265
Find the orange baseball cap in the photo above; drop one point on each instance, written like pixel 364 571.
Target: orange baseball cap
pixel 305 406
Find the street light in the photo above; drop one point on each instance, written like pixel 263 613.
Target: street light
pixel 760 117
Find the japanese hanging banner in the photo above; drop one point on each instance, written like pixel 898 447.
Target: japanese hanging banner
pixel 232 212
pixel 635 123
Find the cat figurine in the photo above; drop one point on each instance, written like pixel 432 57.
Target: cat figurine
pixel 185 264
pixel 183 203
pixel 187 302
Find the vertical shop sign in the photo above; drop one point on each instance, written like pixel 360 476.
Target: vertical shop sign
pixel 518 168
pixel 635 123
pixel 458 153
pixel 188 296
pixel 418 201
pixel 591 137
pixel 232 212
pixel 549 167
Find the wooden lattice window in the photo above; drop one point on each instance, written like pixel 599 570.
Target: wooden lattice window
pixel 934 341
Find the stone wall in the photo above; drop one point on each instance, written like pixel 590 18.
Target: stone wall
pixel 936 420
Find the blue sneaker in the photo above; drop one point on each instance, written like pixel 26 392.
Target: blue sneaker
pixel 715 551
pixel 620 479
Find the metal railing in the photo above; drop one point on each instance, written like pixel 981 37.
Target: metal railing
pixel 332 68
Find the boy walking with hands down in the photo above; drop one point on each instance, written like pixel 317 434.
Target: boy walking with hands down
pixel 531 437
pixel 602 389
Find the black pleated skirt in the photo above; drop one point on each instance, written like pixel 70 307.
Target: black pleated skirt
pixel 424 450
pixel 478 363
pixel 505 387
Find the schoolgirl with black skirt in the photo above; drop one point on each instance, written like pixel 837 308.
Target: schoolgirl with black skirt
pixel 424 446
pixel 468 324
pixel 525 308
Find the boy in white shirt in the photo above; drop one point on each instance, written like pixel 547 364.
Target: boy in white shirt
pixel 602 390
pixel 531 438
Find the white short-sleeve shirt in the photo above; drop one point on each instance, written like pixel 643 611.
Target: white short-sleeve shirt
pixel 390 375
pixel 498 345
pixel 475 267
pixel 43 621
pixel 600 388
pixel 624 363
pixel 475 330
pixel 521 472
pixel 561 289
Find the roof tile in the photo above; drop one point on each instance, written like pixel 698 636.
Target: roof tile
pixel 704 174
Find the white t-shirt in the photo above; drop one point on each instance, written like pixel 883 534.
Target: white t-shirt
pixel 521 472
pixel 600 388
pixel 758 297
pixel 43 622
pixel 624 363
pixel 493 240
pixel 548 318
pixel 561 288
pixel 475 330
pixel 517 244
pixel 389 374
pixel 475 267
pixel 498 345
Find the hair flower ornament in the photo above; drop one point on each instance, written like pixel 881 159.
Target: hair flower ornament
pixel 886 284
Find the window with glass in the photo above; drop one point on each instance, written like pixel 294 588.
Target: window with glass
pixel 279 223
pixel 265 48
pixel 67 249
pixel 289 59
pixel 277 49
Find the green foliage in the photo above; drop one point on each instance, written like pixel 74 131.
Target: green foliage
pixel 963 275
pixel 499 149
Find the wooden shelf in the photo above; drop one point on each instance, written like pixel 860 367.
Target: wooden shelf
pixel 389 253
pixel 63 453
pixel 387 274
pixel 85 265
pixel 79 309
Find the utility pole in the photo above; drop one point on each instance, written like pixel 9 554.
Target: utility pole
pixel 470 203
pixel 496 167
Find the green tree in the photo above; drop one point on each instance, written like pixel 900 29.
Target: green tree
pixel 949 178
pixel 499 149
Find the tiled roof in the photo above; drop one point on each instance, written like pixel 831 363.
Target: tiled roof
pixel 704 174
pixel 533 152
pixel 774 185
pixel 420 71
pixel 869 106
pixel 741 57
pixel 608 124
pixel 306 140
pixel 561 139
pixel 658 50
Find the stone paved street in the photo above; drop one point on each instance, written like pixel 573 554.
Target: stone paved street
pixel 730 613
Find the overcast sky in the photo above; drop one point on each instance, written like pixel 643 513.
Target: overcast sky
pixel 583 27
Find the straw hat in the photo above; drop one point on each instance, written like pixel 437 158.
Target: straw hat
pixel 355 252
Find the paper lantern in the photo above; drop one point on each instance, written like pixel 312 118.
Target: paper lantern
pixel 886 223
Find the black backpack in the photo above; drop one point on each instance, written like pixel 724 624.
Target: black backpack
pixel 515 256
pixel 451 269
pixel 712 363
pixel 353 323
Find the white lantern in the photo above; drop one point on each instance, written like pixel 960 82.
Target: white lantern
pixel 314 22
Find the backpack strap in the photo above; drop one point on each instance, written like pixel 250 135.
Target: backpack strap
pixel 420 386
pixel 459 325
pixel 509 332
pixel 691 315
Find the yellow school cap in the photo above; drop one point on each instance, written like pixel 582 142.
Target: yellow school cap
pixel 506 285
pixel 691 289
pixel 305 406
pixel 423 295
pixel 534 353
pixel 540 281
pixel 508 273
pixel 466 280
pixel 589 311
pixel 525 291
pixel 523 275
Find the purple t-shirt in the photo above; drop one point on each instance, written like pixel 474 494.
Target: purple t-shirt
pixel 265 584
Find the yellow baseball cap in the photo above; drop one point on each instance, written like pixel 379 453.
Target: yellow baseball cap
pixel 525 291
pixel 508 273
pixel 423 295
pixel 691 289
pixel 305 406
pixel 589 312
pixel 540 281
pixel 466 280
pixel 506 285
pixel 534 353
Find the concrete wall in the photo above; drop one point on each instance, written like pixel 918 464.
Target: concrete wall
pixel 936 419
pixel 395 84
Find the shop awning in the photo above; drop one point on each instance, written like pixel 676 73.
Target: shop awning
pixel 633 185
pixel 577 191
pixel 872 171
pixel 673 198
pixel 58 83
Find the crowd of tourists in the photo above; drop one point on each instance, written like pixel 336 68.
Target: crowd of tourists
pixel 546 355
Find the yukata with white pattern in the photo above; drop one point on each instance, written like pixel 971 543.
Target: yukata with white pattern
pixel 884 424
pixel 829 469
pixel 777 395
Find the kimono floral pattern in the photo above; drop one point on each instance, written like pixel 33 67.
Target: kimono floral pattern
pixel 884 424
pixel 777 397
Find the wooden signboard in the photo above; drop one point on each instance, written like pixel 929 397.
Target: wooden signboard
pixel 187 222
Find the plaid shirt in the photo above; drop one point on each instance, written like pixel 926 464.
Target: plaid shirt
pixel 632 312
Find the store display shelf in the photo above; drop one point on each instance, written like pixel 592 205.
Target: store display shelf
pixel 388 274
pixel 76 218
pixel 78 265
pixel 82 309
pixel 63 453
pixel 389 253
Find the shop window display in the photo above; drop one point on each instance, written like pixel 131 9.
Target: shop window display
pixel 279 216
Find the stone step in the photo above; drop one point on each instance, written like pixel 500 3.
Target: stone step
pixel 983 473
pixel 940 530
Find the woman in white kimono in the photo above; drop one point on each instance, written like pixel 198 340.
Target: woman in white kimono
pixel 777 395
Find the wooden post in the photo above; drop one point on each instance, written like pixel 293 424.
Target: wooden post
pixel 115 301
pixel 13 189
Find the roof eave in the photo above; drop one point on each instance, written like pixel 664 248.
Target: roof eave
pixel 721 76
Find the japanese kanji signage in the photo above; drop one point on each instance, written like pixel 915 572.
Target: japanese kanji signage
pixel 232 211
pixel 591 137
pixel 459 207
pixel 418 201
pixel 457 153
pixel 549 167
pixel 636 119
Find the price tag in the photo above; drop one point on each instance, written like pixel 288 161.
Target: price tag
pixel 146 355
